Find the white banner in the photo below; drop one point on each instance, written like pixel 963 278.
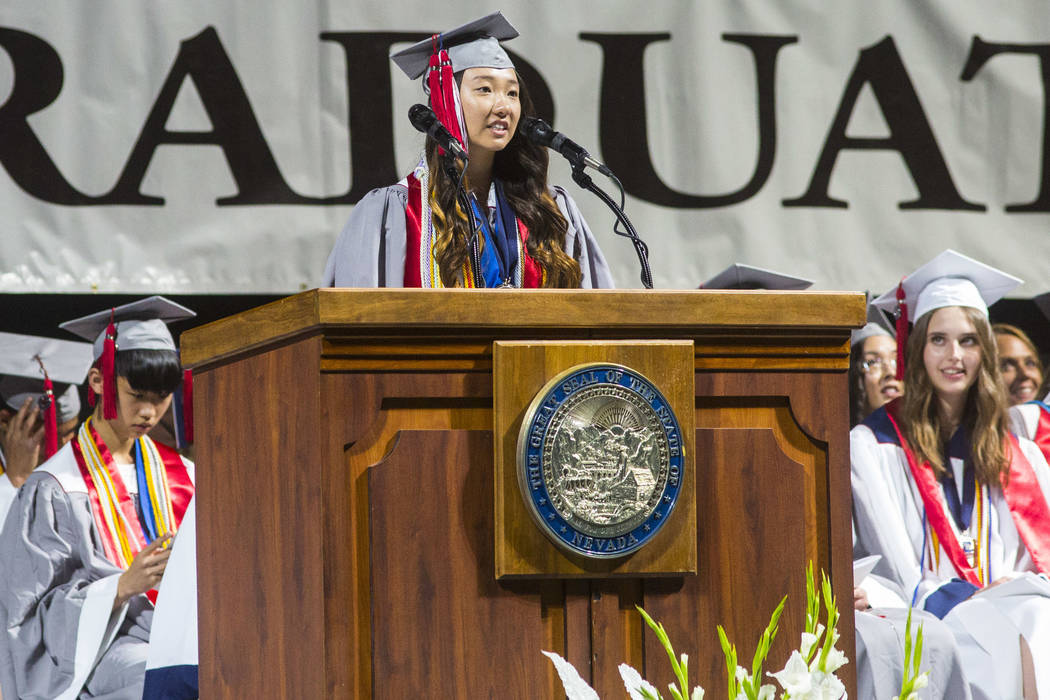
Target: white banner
pixel 197 146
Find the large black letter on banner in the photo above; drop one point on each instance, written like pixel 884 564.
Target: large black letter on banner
pixel 37 82
pixel 624 138
pixel 910 135
pixel 370 99
pixel 980 52
pixel 234 129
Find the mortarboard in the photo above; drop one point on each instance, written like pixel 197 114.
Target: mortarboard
pixel 45 370
pixel 950 279
pixel 877 324
pixel 140 325
pixel 741 276
pixel 1043 302
pixel 472 45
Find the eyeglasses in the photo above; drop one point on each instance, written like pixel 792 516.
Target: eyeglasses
pixel 878 365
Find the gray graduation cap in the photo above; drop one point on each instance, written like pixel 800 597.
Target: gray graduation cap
pixel 140 325
pixel 877 324
pixel 21 376
pixel 473 45
pixel 741 276
pixel 1043 302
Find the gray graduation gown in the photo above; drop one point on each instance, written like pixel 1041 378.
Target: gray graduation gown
pixel 370 250
pixel 61 637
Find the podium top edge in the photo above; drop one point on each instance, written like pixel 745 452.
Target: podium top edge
pixel 666 313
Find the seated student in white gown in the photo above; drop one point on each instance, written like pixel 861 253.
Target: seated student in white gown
pixel 416 234
pixel 39 404
pixel 1024 376
pixel 83 545
pixel 954 504
pixel 880 609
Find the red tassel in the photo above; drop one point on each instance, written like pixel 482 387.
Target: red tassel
pixel 902 329
pixel 50 420
pixel 109 372
pixel 187 405
pixel 441 83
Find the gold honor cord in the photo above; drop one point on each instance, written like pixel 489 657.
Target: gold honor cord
pixel 157 484
pixel 115 521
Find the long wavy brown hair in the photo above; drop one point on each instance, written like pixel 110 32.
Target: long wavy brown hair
pixel 984 417
pixel 522 168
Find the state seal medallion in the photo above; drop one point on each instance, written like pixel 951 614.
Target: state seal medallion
pixel 600 460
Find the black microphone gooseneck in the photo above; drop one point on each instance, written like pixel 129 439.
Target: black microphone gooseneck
pixel 542 134
pixel 424 120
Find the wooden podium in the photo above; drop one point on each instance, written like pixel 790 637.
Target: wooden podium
pixel 356 539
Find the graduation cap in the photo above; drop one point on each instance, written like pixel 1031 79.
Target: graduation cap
pixel 45 370
pixel 950 279
pixel 741 276
pixel 1043 302
pixel 140 325
pixel 472 45
pixel 877 324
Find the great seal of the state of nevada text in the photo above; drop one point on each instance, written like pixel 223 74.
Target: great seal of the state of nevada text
pixel 600 460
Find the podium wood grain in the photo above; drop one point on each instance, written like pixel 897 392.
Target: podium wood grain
pixel 347 486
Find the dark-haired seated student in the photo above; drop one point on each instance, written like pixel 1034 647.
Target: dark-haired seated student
pixel 84 545
pixel 416 234
pixel 39 404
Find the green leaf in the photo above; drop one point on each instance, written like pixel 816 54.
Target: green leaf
pixel 729 651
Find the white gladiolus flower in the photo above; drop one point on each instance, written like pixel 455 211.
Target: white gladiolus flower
pixel 635 684
pixel 794 677
pixel 698 694
pixel 826 686
pixel 575 687
pixel 808 640
pixel 836 660
pixel 766 692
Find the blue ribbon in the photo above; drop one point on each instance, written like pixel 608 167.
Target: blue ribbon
pixel 962 512
pixel 145 507
pixel 499 257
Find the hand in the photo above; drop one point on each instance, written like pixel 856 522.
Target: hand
pixel 997 582
pixel 145 571
pixel 21 440
pixel 860 599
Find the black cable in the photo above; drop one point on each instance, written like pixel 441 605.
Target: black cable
pixel 641 249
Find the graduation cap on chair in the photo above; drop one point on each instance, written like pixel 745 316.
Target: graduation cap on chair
pixel 140 325
pixel 741 276
pixel 45 370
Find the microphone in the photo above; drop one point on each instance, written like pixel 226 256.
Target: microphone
pixel 424 119
pixel 542 134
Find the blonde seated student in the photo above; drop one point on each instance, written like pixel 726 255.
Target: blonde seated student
pixel 955 504
pixel 39 404
pixel 84 543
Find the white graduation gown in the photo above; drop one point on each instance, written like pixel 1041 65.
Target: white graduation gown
pixel 888 516
pixel 880 648
pixel 370 250
pixel 171 666
pixel 61 638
